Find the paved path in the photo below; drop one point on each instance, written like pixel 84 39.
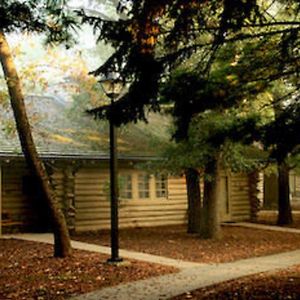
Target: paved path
pixel 48 238
pixel 167 286
pixel 264 227
pixel 191 276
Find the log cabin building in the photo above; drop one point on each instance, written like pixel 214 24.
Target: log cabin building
pixel 76 154
pixel 82 187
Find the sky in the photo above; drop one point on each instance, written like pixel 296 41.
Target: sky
pixel 93 54
pixel 106 8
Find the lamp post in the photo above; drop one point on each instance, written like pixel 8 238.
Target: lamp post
pixel 112 88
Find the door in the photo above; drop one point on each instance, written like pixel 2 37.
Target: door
pixel 224 200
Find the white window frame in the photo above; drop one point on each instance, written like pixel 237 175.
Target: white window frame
pixel 161 186
pixel 144 186
pixel 128 188
pixel 136 187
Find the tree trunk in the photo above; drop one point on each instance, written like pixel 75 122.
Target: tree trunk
pixel 192 177
pixel 210 227
pixel 62 245
pixel 253 181
pixel 284 204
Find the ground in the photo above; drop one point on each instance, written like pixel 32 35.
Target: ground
pixel 282 285
pixel 237 243
pixel 174 242
pixel 28 271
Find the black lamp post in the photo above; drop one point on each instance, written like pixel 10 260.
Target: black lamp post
pixel 112 88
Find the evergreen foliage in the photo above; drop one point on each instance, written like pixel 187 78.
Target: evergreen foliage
pixel 282 135
pixel 47 16
pixel 158 36
pixel 180 45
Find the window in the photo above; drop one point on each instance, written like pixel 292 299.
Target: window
pixel 140 185
pixel 161 186
pixel 125 183
pixel 144 185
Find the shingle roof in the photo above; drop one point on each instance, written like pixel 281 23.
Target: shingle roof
pixel 61 134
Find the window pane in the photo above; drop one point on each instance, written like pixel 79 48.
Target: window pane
pixel 144 185
pixel 161 186
pixel 125 183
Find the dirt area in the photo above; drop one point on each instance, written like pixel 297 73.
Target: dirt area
pixel 28 271
pixel 282 285
pixel 174 242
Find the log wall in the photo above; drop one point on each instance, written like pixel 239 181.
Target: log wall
pixel 93 205
pixel 85 200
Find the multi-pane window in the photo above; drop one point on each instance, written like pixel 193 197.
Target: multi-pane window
pixel 161 186
pixel 125 185
pixel 140 185
pixel 144 186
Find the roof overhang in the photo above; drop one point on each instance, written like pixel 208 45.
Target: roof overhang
pixel 4 156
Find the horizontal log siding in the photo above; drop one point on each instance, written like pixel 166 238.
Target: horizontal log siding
pixel 57 180
pixel 239 197
pixel 91 199
pixel 93 205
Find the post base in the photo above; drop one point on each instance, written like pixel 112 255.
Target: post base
pixel 114 261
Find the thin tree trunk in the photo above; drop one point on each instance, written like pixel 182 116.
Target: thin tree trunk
pixel 284 204
pixel 62 245
pixel 194 200
pixel 253 180
pixel 210 227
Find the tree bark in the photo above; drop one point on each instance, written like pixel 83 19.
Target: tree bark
pixel 192 177
pixel 284 204
pixel 253 181
pixel 62 245
pixel 210 227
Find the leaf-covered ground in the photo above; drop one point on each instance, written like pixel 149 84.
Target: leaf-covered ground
pixel 174 242
pixel 281 285
pixel 28 271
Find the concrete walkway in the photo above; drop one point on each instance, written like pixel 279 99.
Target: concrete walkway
pixel 167 286
pixel 264 227
pixel 48 238
pixel 191 276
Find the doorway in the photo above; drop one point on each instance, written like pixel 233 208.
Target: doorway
pixel 224 201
